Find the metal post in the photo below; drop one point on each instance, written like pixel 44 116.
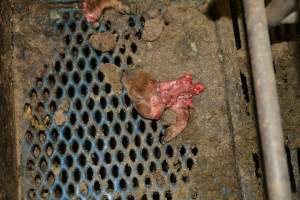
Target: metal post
pixel 292 18
pixel 277 10
pixel 276 170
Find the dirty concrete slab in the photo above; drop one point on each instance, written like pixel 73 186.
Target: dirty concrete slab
pixel 192 43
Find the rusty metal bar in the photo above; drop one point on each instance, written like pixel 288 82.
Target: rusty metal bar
pixel 275 162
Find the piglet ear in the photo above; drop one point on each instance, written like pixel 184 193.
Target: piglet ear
pixel 198 88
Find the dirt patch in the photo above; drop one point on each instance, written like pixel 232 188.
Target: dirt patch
pixel 36 152
pixel 159 179
pixel 182 192
pixel 59 115
pixel 35 41
pixel 153 29
pixel 41 124
pixel 168 117
pixel 84 188
pixel 286 57
pixel 138 7
pixel 103 41
pixel 112 76
pixel 49 150
pixel 50 179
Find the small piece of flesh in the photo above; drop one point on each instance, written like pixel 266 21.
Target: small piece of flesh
pixel 93 9
pixel 104 42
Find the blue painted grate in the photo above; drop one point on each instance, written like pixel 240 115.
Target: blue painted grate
pixel 104 150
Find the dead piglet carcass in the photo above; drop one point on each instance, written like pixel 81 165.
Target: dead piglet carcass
pixel 93 9
pixel 178 97
pixel 103 42
pixel 152 97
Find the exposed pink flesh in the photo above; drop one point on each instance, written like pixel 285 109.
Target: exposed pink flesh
pixel 173 92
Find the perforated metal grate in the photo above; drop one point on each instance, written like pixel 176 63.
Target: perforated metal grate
pixel 104 149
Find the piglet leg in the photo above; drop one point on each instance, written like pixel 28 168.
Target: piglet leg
pixel 182 116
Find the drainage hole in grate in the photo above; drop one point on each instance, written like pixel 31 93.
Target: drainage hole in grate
pixel 77 175
pixel 168 195
pixel 147 181
pixel 97 186
pixel 58 191
pixel 132 155
pixel 169 151
pixel 140 169
pixel 102 172
pixel 103 102
pixel 82 160
pixel 94 158
pixel 69 161
pixel 120 156
pixel 107 158
pixel 135 182
pixel 64 176
pixel 80 132
pixel 182 151
pixel 155 196
pixel 189 163
pixel 89 174
pixel 92 131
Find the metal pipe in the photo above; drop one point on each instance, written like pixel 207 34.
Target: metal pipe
pixel 277 10
pixel 275 162
pixel 291 18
